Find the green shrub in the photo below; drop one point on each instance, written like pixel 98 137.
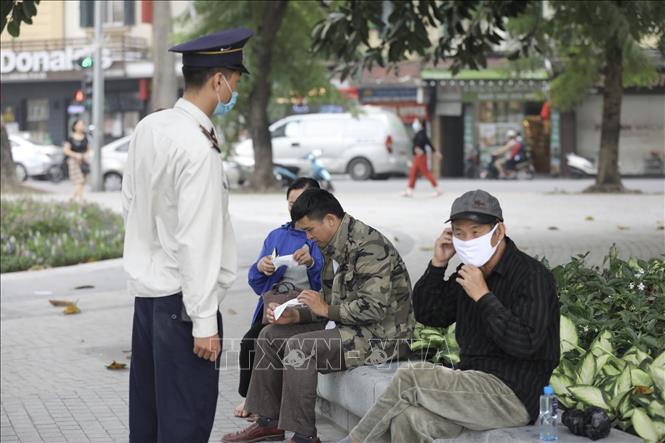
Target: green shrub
pixel 37 234
pixel 626 298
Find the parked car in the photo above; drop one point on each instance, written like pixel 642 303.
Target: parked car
pixel 373 144
pixel 33 158
pixel 114 159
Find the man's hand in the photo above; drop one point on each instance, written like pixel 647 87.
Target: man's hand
pixel 302 256
pixel 443 249
pixel 207 348
pixel 472 281
pixel 266 266
pixel 315 301
pixel 288 317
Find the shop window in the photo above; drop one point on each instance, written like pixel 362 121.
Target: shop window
pixel 37 116
pixel 114 13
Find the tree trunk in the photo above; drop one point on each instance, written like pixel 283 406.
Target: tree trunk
pixel 608 179
pixel 164 85
pixel 259 97
pixel 8 168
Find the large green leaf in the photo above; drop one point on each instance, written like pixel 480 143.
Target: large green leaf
pixel 624 382
pixel 602 344
pixel 660 360
pixel 560 384
pixel 586 370
pixel 658 376
pixel 640 378
pixel 643 425
pixel 656 408
pixel 601 361
pixel 568 335
pixel 589 395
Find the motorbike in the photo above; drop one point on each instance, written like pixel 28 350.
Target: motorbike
pixel 285 175
pixel 518 169
pixel 319 172
pixel 581 166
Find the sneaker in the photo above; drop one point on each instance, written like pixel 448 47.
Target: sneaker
pixel 254 433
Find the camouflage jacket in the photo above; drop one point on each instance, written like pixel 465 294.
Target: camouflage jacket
pixel 367 286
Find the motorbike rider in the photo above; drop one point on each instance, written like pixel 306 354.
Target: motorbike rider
pixel 504 153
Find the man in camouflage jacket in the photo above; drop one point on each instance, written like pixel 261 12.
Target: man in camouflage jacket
pixel 364 316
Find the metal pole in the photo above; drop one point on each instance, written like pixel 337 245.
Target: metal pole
pixel 98 100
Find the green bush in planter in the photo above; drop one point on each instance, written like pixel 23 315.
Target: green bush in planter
pixel 37 234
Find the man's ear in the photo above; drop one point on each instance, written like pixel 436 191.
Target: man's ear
pixel 500 233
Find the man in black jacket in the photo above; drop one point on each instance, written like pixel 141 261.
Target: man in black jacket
pixel 507 314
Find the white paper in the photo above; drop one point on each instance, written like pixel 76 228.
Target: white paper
pixel 279 310
pixel 284 260
pixel 335 267
pixel 331 325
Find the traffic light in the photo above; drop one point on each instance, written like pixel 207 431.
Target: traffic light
pixel 85 62
pixel 86 88
pixel 79 96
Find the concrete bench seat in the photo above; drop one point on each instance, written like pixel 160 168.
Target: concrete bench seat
pixel 344 397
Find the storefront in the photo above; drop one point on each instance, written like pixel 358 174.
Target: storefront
pixel 402 100
pixel 40 80
pixel 472 112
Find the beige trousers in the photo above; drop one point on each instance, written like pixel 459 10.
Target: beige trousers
pixel 424 402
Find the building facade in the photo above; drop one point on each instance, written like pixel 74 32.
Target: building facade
pixel 42 79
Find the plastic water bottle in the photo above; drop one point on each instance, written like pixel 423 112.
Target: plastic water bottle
pixel 548 418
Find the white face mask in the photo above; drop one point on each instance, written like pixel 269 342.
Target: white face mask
pixel 478 251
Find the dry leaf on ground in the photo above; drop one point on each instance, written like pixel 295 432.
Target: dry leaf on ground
pixel 231 311
pixel 115 365
pixel 60 303
pixel 71 309
pixel 588 218
pixel 553 228
pixel 622 227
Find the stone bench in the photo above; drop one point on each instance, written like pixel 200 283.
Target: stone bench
pixel 344 397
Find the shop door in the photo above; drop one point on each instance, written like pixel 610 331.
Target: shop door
pixel 452 129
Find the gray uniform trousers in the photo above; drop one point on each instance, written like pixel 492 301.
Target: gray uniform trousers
pixel 284 379
pixel 424 402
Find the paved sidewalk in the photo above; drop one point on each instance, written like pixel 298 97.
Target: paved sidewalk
pixel 55 387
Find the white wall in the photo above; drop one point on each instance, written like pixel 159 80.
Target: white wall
pixel 642 129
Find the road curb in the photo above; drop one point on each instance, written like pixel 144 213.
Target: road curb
pixel 61 270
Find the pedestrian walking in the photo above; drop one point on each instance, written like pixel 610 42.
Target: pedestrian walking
pixel 180 250
pixel 78 151
pixel 419 166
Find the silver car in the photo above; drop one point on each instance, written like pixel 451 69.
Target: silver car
pixel 114 159
pixel 33 158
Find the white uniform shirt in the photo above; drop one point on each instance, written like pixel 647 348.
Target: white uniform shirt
pixel 178 233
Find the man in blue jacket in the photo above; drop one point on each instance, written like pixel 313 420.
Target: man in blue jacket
pixel 285 240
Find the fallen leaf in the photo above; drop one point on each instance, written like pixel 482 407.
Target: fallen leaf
pixel 115 365
pixel 660 227
pixel 71 309
pixel 60 303
pixel 643 390
pixel 588 218
pixel 553 228
pixel 85 287
pixel 231 311
pixel 622 227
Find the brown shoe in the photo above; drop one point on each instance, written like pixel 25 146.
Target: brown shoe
pixel 253 433
pixel 293 440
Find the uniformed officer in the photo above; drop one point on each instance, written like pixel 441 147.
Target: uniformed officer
pixel 180 250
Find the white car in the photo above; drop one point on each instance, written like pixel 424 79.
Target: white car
pixel 372 144
pixel 33 158
pixel 114 159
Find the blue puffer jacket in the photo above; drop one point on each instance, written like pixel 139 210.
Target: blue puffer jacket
pixel 285 240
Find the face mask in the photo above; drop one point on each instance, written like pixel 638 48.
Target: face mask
pixel 224 108
pixel 476 252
